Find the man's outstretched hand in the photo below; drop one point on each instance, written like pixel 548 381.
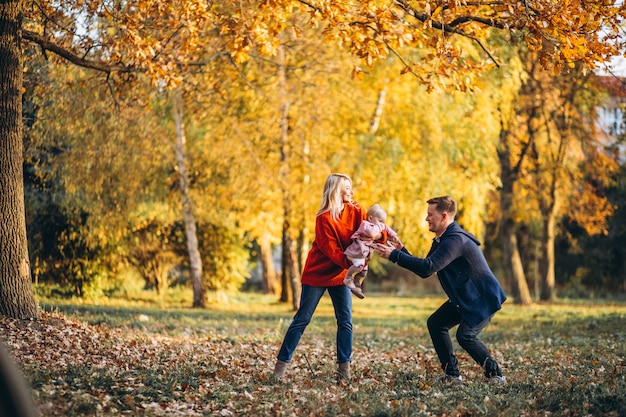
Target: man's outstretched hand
pixel 385 249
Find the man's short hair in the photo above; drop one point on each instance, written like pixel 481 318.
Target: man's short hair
pixel 445 204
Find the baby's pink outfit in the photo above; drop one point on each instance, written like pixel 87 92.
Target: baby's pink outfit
pixel 359 250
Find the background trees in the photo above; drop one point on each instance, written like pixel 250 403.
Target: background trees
pixel 168 42
pixel 548 142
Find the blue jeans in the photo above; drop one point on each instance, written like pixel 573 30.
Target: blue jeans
pixel 439 325
pixel 310 298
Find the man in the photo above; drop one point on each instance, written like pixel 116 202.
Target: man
pixel 474 292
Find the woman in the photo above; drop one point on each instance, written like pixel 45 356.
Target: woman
pixel 325 268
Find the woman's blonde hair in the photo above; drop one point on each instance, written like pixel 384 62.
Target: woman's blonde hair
pixel 332 200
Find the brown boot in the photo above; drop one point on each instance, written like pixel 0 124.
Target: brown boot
pixel 279 369
pixel 358 291
pixel 348 281
pixel 358 280
pixel 343 371
pixel 353 283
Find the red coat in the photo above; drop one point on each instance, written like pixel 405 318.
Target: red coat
pixel 326 265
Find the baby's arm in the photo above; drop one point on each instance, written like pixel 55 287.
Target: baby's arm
pixel 392 237
pixel 370 231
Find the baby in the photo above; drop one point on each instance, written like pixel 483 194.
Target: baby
pixel 359 252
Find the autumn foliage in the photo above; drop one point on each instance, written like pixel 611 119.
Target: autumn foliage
pixel 163 38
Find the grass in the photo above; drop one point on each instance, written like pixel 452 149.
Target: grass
pixel 564 359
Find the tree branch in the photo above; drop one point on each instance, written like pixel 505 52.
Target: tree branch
pixel 449 27
pixel 47 45
pixel 306 3
pixel 452 26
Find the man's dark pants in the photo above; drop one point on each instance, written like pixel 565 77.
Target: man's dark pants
pixel 439 325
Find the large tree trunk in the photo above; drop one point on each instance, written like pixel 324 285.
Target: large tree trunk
pixel 530 247
pixel 17 298
pixel 547 261
pixel 510 252
pixel 565 120
pixel 195 261
pixel 513 264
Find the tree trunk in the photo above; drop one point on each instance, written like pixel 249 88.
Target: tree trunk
pixel 301 249
pixel 285 282
pixel 267 263
pixel 513 267
pixel 290 277
pixel 546 264
pixel 17 299
pixel 512 260
pixel 195 261
pixel 564 120
pixel 378 112
pixel 529 246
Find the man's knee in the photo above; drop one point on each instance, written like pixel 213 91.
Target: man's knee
pixel 431 323
pixel 435 326
pixel 465 339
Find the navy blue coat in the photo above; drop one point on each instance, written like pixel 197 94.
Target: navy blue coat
pixel 463 273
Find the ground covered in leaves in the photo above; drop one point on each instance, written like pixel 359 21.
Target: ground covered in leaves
pixel 563 360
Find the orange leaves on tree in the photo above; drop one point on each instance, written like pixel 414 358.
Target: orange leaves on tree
pixel 162 37
pixel 591 211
